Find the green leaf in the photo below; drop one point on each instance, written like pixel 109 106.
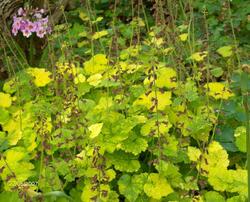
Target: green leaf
pixel 151 128
pixel 115 130
pixel 190 91
pixel 7 196
pixel 5 100
pixel 157 186
pixel 225 51
pixel 237 199
pixel 213 196
pixel 83 88
pixel 131 187
pixel 29 139
pixel 215 164
pixel 95 130
pixel 113 196
pixel 17 160
pixel 216 158
pixel 134 144
pixel 20 81
pixel 163 100
pixel 74 31
pixel 89 193
pixel 166 77
pixel 99 34
pixel 217 71
pixel 97 64
pixel 57 194
pixel 123 161
pixel 4 116
pixel 49 181
pixel 3 141
pixel 170 147
pixel 171 172
pixel 193 153
pixel 200 127
pixel 240 136
pixel 189 183
pixel 86 104
pixel 198 56
pixel 229 180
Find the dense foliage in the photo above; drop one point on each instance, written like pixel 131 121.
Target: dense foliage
pixel 130 101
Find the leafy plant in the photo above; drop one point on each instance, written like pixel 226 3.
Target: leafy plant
pixel 140 106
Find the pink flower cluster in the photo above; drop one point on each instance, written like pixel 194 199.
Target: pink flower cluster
pixel 31 21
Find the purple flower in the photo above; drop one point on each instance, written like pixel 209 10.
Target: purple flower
pixel 23 24
pixel 31 26
pixel 27 33
pixel 39 26
pixel 20 11
pixel 45 20
pixel 41 33
pixel 17 22
pixel 38 15
pixel 31 21
pixel 14 31
pixel 16 25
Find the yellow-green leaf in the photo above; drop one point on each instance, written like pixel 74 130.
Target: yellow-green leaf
pixel 83 16
pixel 79 79
pixel 95 130
pixel 198 56
pixel 225 51
pixel 157 186
pixel 163 100
pixel 95 79
pixel 166 77
pixel 99 19
pixel 15 163
pixel 240 135
pixel 216 157
pixel 193 153
pixel 5 100
pixel 218 90
pixel 100 34
pixel 183 37
pixel 97 64
pixel 41 76
pixel 151 128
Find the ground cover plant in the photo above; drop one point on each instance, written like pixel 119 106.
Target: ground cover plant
pixel 129 101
